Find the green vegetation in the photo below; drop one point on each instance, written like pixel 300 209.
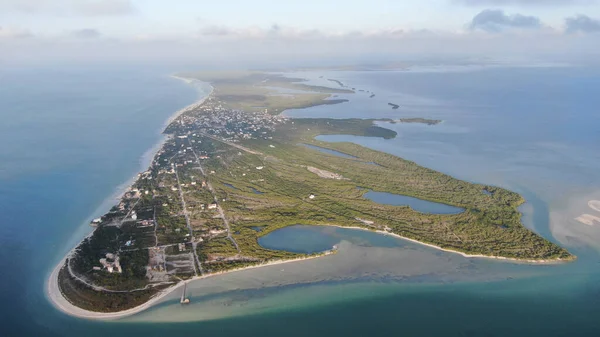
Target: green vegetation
pixel 489 226
pixel 89 299
pixel 225 178
pixel 257 91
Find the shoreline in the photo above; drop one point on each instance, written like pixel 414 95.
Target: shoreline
pixel 145 160
pixel 189 107
pixel 477 256
pixel 60 302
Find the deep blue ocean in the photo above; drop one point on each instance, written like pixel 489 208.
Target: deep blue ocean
pixel 71 139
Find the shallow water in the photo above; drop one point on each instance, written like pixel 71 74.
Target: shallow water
pixel 419 205
pixel 534 131
pixel 298 239
pixel 329 151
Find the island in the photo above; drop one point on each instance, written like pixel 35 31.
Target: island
pixel 233 169
pixel 418 120
pixel 340 83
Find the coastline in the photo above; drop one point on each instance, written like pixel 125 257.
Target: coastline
pixel 56 298
pixel 192 106
pixel 478 256
pixel 59 301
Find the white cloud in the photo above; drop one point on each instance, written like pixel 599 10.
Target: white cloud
pixel 86 33
pixel 14 33
pixel 255 46
pixel 486 3
pixel 69 7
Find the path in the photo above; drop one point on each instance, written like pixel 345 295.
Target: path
pixel 219 208
pixel 189 226
pixel 229 143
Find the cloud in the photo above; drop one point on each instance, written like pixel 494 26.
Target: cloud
pixel 486 3
pixel 495 20
pixel 104 7
pixel 214 30
pixel 582 23
pixel 69 7
pixel 14 33
pixel 275 31
pixel 86 33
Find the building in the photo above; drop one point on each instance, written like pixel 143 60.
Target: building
pixel 111 266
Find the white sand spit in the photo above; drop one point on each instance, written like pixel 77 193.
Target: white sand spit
pixel 588 219
pixel 594 204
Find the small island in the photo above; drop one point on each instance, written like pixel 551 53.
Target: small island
pixel 416 120
pixel 340 83
pixel 232 163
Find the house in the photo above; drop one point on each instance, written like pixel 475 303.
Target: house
pixel 113 265
pixel 312 196
pixel 212 206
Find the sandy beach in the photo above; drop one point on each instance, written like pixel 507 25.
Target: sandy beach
pixel 60 302
pixel 56 297
pixel 528 261
pixel 191 106
pixel 53 291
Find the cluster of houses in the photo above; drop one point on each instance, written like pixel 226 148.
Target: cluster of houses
pixel 110 263
pixel 229 124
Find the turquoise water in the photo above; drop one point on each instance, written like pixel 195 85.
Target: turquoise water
pixel 418 205
pixel 72 137
pixel 298 239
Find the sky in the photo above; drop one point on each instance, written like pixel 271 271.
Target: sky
pixel 41 31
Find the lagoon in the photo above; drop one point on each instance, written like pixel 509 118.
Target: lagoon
pixel 419 205
pixel 329 151
pixel 298 239
pixel 376 285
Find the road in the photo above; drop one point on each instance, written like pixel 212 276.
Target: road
pixel 212 191
pixel 189 225
pixel 229 143
pixel 99 288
